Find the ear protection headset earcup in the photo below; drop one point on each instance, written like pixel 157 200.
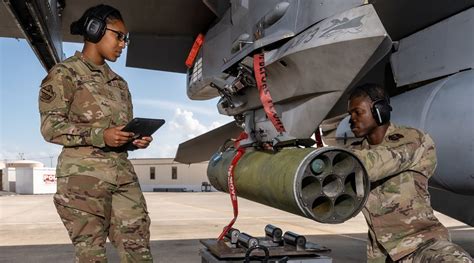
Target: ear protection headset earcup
pixel 380 107
pixel 95 25
pixel 94 30
pixel 381 111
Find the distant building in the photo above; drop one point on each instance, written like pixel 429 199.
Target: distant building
pixel 166 175
pixel 28 177
pixel 155 174
pixel 25 163
pixel 2 166
pixel 8 179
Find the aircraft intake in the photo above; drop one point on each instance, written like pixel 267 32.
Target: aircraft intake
pixel 328 185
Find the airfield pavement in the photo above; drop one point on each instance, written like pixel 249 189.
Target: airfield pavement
pixel 31 231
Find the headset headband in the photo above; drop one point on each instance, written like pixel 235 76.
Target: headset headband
pixel 366 89
pixel 102 12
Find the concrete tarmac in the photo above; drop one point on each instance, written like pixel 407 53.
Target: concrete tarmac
pixel 31 231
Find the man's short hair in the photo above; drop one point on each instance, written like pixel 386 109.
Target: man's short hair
pixel 380 101
pixel 370 90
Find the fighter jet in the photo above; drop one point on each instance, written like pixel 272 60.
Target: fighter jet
pixel 283 70
pixel 311 54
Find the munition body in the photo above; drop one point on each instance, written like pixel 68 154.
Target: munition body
pixel 329 185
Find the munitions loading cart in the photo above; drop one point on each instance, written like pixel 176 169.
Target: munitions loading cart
pixel 272 248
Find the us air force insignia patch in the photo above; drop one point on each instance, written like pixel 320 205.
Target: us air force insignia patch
pixel 47 94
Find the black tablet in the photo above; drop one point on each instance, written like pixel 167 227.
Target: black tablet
pixel 142 127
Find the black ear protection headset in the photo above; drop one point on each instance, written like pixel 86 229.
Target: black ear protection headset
pixel 95 24
pixel 380 107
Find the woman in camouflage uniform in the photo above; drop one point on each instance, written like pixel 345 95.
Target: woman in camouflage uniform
pixel 83 106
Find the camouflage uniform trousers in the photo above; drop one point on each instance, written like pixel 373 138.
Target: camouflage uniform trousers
pixel 93 210
pixel 433 252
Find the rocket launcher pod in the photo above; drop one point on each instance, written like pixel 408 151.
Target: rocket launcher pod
pixel 328 185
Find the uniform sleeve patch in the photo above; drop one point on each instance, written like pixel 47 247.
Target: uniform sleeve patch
pixel 47 94
pixel 395 137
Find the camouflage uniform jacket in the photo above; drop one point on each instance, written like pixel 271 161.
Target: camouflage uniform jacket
pixel 78 100
pixel 398 210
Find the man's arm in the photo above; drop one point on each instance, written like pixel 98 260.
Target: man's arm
pixel 55 98
pixel 383 161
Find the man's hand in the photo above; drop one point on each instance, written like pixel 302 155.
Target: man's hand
pixel 143 142
pixel 114 137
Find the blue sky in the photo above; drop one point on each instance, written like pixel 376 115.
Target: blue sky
pixel 155 94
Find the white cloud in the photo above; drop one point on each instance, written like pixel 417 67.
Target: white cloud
pixel 185 125
pixel 182 127
pixel 215 124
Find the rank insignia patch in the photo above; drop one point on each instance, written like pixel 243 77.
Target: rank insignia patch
pixel 47 94
pixel 395 137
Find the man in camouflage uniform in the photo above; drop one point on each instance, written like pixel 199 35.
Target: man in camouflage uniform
pixel 399 161
pixel 83 106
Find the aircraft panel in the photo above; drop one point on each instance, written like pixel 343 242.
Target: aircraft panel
pixel 9 28
pixel 162 17
pixel 152 51
pixel 455 205
pixel 199 149
pixel 171 23
pixel 440 50
pixel 39 22
pixel 402 18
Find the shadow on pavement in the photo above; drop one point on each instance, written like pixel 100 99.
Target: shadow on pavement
pixel 345 248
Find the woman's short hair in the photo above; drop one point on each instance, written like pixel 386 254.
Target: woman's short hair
pixel 79 27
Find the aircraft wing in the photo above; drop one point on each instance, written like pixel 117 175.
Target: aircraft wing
pixel 39 23
pixel 201 148
pixel 161 31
